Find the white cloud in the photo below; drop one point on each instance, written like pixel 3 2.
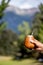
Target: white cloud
pixel 25 6
pixel 14 2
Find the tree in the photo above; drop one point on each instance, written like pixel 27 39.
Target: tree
pixel 24 30
pixel 3 6
pixel 2 26
pixel 37 25
pixel 7 47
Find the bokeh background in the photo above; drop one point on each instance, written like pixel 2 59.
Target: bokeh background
pixel 19 18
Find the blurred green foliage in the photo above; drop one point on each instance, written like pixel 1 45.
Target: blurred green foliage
pixel 2 26
pixel 3 6
pixel 7 46
pixel 24 30
pixel 37 25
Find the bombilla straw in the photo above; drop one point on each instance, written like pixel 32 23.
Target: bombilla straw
pixel 32 33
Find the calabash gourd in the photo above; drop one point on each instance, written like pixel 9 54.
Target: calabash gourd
pixel 27 43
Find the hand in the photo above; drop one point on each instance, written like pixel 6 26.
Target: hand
pixel 38 44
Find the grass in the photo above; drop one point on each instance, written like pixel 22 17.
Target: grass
pixel 8 61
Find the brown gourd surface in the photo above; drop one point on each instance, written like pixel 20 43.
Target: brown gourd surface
pixel 28 44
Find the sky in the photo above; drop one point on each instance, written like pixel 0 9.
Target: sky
pixel 25 4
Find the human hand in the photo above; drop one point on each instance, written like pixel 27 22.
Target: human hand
pixel 39 45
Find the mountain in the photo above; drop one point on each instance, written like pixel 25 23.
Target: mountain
pixel 15 16
pixel 21 11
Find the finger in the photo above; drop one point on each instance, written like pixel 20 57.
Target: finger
pixel 39 49
pixel 32 41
